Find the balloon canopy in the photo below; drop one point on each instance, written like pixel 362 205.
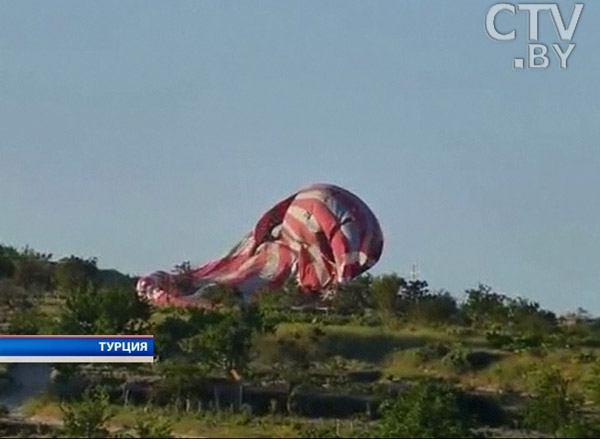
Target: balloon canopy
pixel 322 235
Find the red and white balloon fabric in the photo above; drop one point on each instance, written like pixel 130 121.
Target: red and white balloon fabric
pixel 322 235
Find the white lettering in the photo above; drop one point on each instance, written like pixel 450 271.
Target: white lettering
pixel 533 55
pixel 533 10
pixel 566 33
pixel 490 22
pixel 563 56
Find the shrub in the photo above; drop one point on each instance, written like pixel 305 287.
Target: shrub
pixel 429 409
pixel 480 359
pixel 312 431
pixel 551 409
pixel 33 270
pixel 74 273
pixel 433 308
pixel 456 360
pixel 585 357
pixel 7 266
pixel 384 291
pixel 431 351
pixel 148 426
pixel 483 307
pixel 13 295
pixel 499 341
pixel 532 342
pixel 352 297
pixel 108 311
pixel 329 430
pixel 88 417
pixel 593 384
pixel 24 322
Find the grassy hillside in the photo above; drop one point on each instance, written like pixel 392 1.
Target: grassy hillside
pixel 386 357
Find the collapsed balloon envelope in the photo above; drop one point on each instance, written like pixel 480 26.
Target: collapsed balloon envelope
pixel 321 235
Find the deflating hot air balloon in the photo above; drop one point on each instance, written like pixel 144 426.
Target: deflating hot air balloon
pixel 322 235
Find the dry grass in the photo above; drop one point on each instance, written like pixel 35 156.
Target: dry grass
pixel 204 424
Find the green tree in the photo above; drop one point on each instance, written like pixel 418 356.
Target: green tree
pixel 88 417
pixel 225 346
pixel 428 410
pixel 223 295
pixel 122 311
pixel 33 269
pixel 88 310
pixel 384 290
pixel 483 307
pixel 551 409
pixel 168 334
pixel 413 290
pixel 182 378
pixel 73 273
pixel 292 358
pixel 439 307
pixel 7 266
pixel 294 367
pixel 353 297
pixel 278 299
pixel 528 318
pixel 80 311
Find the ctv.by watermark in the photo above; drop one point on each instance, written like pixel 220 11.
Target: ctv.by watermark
pixel 538 54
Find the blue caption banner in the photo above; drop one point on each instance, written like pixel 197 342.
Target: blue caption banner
pixel 76 348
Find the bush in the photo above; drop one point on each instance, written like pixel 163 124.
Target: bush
pixel 485 308
pixel 480 359
pixel 585 357
pixel 312 431
pixel 74 273
pixel 384 291
pixel 12 295
pixel 593 384
pixel 431 351
pixel 227 344
pixel 529 319
pixel 148 426
pixel 88 417
pixel 433 308
pixel 551 409
pixel 7 266
pixel 457 360
pixel 533 343
pixel 329 430
pixel 429 409
pixel 33 270
pixel 352 297
pixel 499 341
pixel 24 322
pixel 115 310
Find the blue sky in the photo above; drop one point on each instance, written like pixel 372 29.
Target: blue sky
pixel 149 133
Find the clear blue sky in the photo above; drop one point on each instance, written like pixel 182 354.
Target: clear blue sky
pixel 148 133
